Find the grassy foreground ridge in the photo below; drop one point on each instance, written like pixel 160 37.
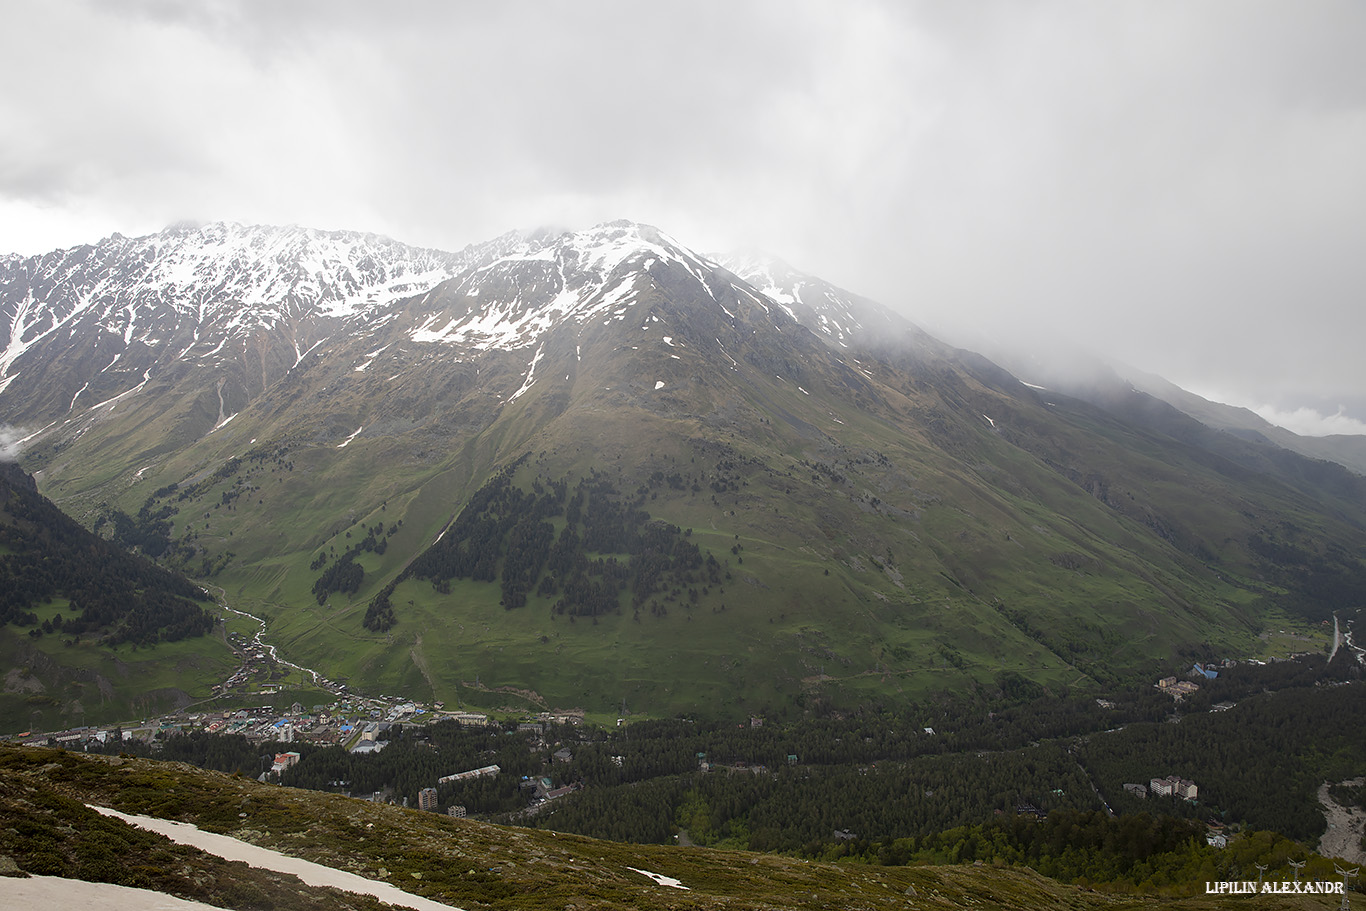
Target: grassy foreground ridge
pixel 45 828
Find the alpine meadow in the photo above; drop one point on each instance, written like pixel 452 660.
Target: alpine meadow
pixel 598 470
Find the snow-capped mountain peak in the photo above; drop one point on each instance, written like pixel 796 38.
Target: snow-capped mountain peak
pixel 127 308
pixel 836 315
pixel 83 326
pixel 509 300
pixel 205 284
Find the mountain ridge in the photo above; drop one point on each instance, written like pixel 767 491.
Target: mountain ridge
pixel 888 513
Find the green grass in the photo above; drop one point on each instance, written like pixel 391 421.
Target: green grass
pixel 1287 635
pixel 902 529
pixel 53 686
pixel 470 864
pixel 902 627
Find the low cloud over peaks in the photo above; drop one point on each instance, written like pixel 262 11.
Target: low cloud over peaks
pixel 1310 422
pixel 11 444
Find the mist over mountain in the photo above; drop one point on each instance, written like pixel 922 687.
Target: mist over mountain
pixel 599 468
pixel 1084 375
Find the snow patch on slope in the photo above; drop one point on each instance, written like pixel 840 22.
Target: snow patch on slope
pixel 571 278
pixel 530 374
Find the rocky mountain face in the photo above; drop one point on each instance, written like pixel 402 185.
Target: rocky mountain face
pixel 85 324
pixel 700 484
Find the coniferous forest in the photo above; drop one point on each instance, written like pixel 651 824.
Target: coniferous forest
pixel 1258 764
pixel 586 549
pixel 112 595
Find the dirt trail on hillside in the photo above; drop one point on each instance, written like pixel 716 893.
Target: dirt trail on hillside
pixel 1345 827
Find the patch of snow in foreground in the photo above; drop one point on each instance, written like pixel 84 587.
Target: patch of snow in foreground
pixel 311 873
pixel 56 892
pixel 661 879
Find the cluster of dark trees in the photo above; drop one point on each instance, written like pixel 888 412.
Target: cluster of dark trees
pixel 508 535
pixel 1143 851
pixel 219 752
pixel 879 775
pixel 345 574
pixel 148 532
pixel 414 758
pixel 1314 575
pixel 379 613
pixel 874 773
pixel 796 807
pixel 1260 762
pixel 112 594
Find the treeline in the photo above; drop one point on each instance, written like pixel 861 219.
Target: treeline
pixel 112 594
pixel 151 530
pixel 1261 762
pixel 219 752
pixel 414 758
pixel 345 574
pixel 509 535
pixel 798 808
pixel 881 776
pixel 1145 852
pixel 1313 574
pixel 651 749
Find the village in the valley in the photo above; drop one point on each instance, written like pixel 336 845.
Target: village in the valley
pixel 360 724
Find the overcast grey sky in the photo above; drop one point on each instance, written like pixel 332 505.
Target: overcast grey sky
pixel 1180 184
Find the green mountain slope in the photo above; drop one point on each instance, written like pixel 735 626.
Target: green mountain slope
pixel 87 630
pixel 874 518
